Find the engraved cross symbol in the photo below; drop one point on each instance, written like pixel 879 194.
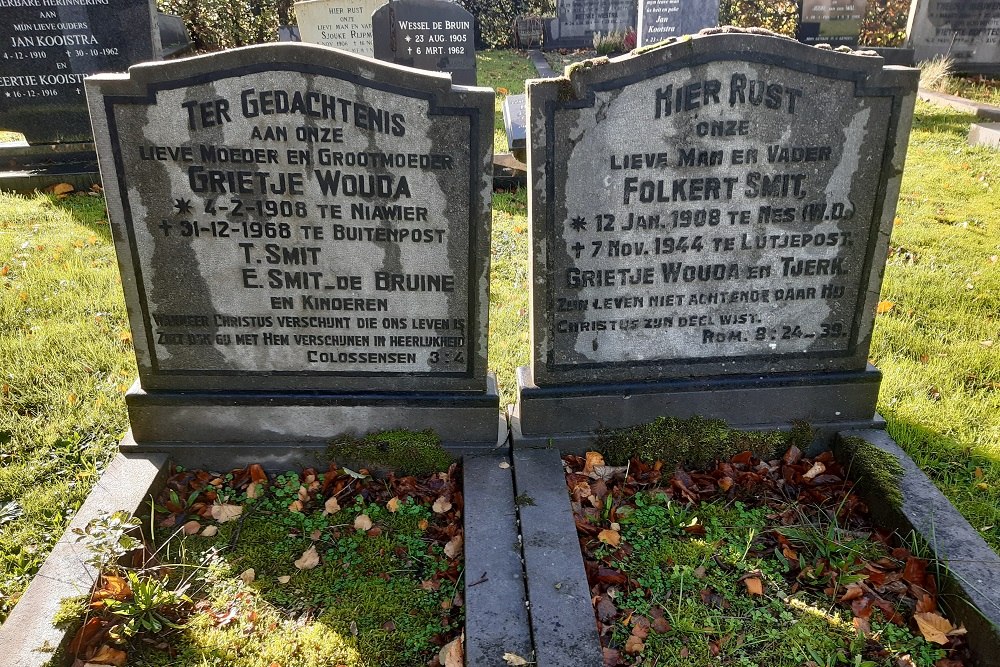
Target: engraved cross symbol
pixel 578 248
pixel 165 226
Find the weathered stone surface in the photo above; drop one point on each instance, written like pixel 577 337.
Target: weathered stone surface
pixel 289 217
pixel 834 22
pixel 577 20
pixel 715 207
pixel 662 19
pixel 47 50
pixel 435 35
pixel 342 24
pixel 985 134
pixel 968 32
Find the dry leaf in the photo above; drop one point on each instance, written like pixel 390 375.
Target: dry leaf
pixel 295 506
pixel 933 627
pixel 423 524
pixel 191 527
pixel 816 469
pixel 253 491
pixel 223 513
pixel 393 505
pixel 309 559
pixel 441 505
pixel 248 575
pixel 331 506
pixel 514 660
pixel 210 531
pixel 61 189
pixel 303 494
pixel 504 465
pixel 634 645
pixel 363 522
pixel 454 547
pixel 451 655
pixel 612 537
pixel 109 656
pixel 284 579
pixel 884 307
pixel 754 585
pixel 593 459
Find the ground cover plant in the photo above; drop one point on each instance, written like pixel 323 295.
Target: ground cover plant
pixel 751 562
pixel 301 568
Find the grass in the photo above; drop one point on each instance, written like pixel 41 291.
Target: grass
pixel 65 360
pixel 503 71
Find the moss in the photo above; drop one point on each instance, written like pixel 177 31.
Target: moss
pixel 877 470
pixel 405 452
pixel 523 500
pixel 695 442
pixel 70 612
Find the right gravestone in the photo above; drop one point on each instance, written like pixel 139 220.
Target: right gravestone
pixel 709 227
pixel 968 32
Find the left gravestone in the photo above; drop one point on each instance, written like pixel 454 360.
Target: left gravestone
pixel 303 238
pixel 48 47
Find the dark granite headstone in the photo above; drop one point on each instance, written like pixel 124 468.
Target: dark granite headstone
pixel 289 33
pixel 833 22
pixel 660 19
pixel 967 31
pixel 710 223
pixel 303 238
pixel 435 35
pixel 49 47
pixel 173 34
pixel 576 22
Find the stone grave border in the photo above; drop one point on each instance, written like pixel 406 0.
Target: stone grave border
pixel 496 612
pixel 562 614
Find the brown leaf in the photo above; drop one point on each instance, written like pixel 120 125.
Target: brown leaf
pixel 393 504
pixel 792 456
pixel 816 469
pixel 853 592
pixel 303 494
pixel 253 490
pixel 606 609
pixel 634 644
pixel 210 531
pixel 514 660
pixel 295 506
pixel 884 307
pixel 248 575
pixel 225 512
pixel 608 536
pixel 363 522
pixel 61 189
pixel 284 579
pixel 191 527
pixel 754 585
pixel 331 506
pixel 441 505
pixel 451 654
pixel 309 559
pixel 107 655
pixel 592 459
pixel 454 547
pixel 933 627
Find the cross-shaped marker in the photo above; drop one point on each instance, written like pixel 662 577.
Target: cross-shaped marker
pixel 165 226
pixel 578 247
pixel 409 50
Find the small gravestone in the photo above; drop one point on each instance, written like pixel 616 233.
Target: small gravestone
pixel 833 22
pixel 342 24
pixel 46 50
pixel 577 21
pixel 710 223
pixel 434 35
pixel 303 238
pixel 968 32
pixel 661 19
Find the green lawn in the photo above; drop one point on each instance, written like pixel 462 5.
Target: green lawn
pixel 65 357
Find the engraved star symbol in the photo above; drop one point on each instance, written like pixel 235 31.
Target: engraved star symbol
pixel 579 223
pixel 183 206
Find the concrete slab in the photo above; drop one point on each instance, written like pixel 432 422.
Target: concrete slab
pixel 541 64
pixel 971 568
pixel 562 616
pixel 27 637
pixel 977 109
pixel 496 608
pixel 985 134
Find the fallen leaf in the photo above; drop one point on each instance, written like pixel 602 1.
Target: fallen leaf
pixel 612 537
pixel 454 547
pixel 816 469
pixel 191 527
pixel 210 531
pixel 393 504
pixel 363 522
pixel 107 655
pixel 592 459
pixel 754 585
pixel 502 91
pixel 884 307
pixel 309 559
pixel 284 579
pixel 423 524
pixel 248 575
pixel 61 189
pixel 441 505
pixel 634 645
pixel 514 660
pixel 225 512
pixel 303 494
pixel 253 491
pixel 451 655
pixel 504 465
pixel 295 506
pixel 331 506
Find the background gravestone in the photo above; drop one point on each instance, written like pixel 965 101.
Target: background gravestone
pixel 342 24
pixel 303 237
pixel 724 260
pixel 834 22
pixel 969 32
pixel 434 35
pixel 660 19
pixel 576 21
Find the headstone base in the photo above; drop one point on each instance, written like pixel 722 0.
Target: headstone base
pixel 984 134
pixel 569 417
pixel 26 167
pixel 247 425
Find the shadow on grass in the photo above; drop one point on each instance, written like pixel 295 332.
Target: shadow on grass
pixel 86 209
pixel 941 119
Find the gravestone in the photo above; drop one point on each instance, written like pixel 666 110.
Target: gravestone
pixel 342 24
pixel 969 32
pixel 576 21
pixel 710 223
pixel 435 35
pixel 833 22
pixel 47 50
pixel 303 239
pixel 660 19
